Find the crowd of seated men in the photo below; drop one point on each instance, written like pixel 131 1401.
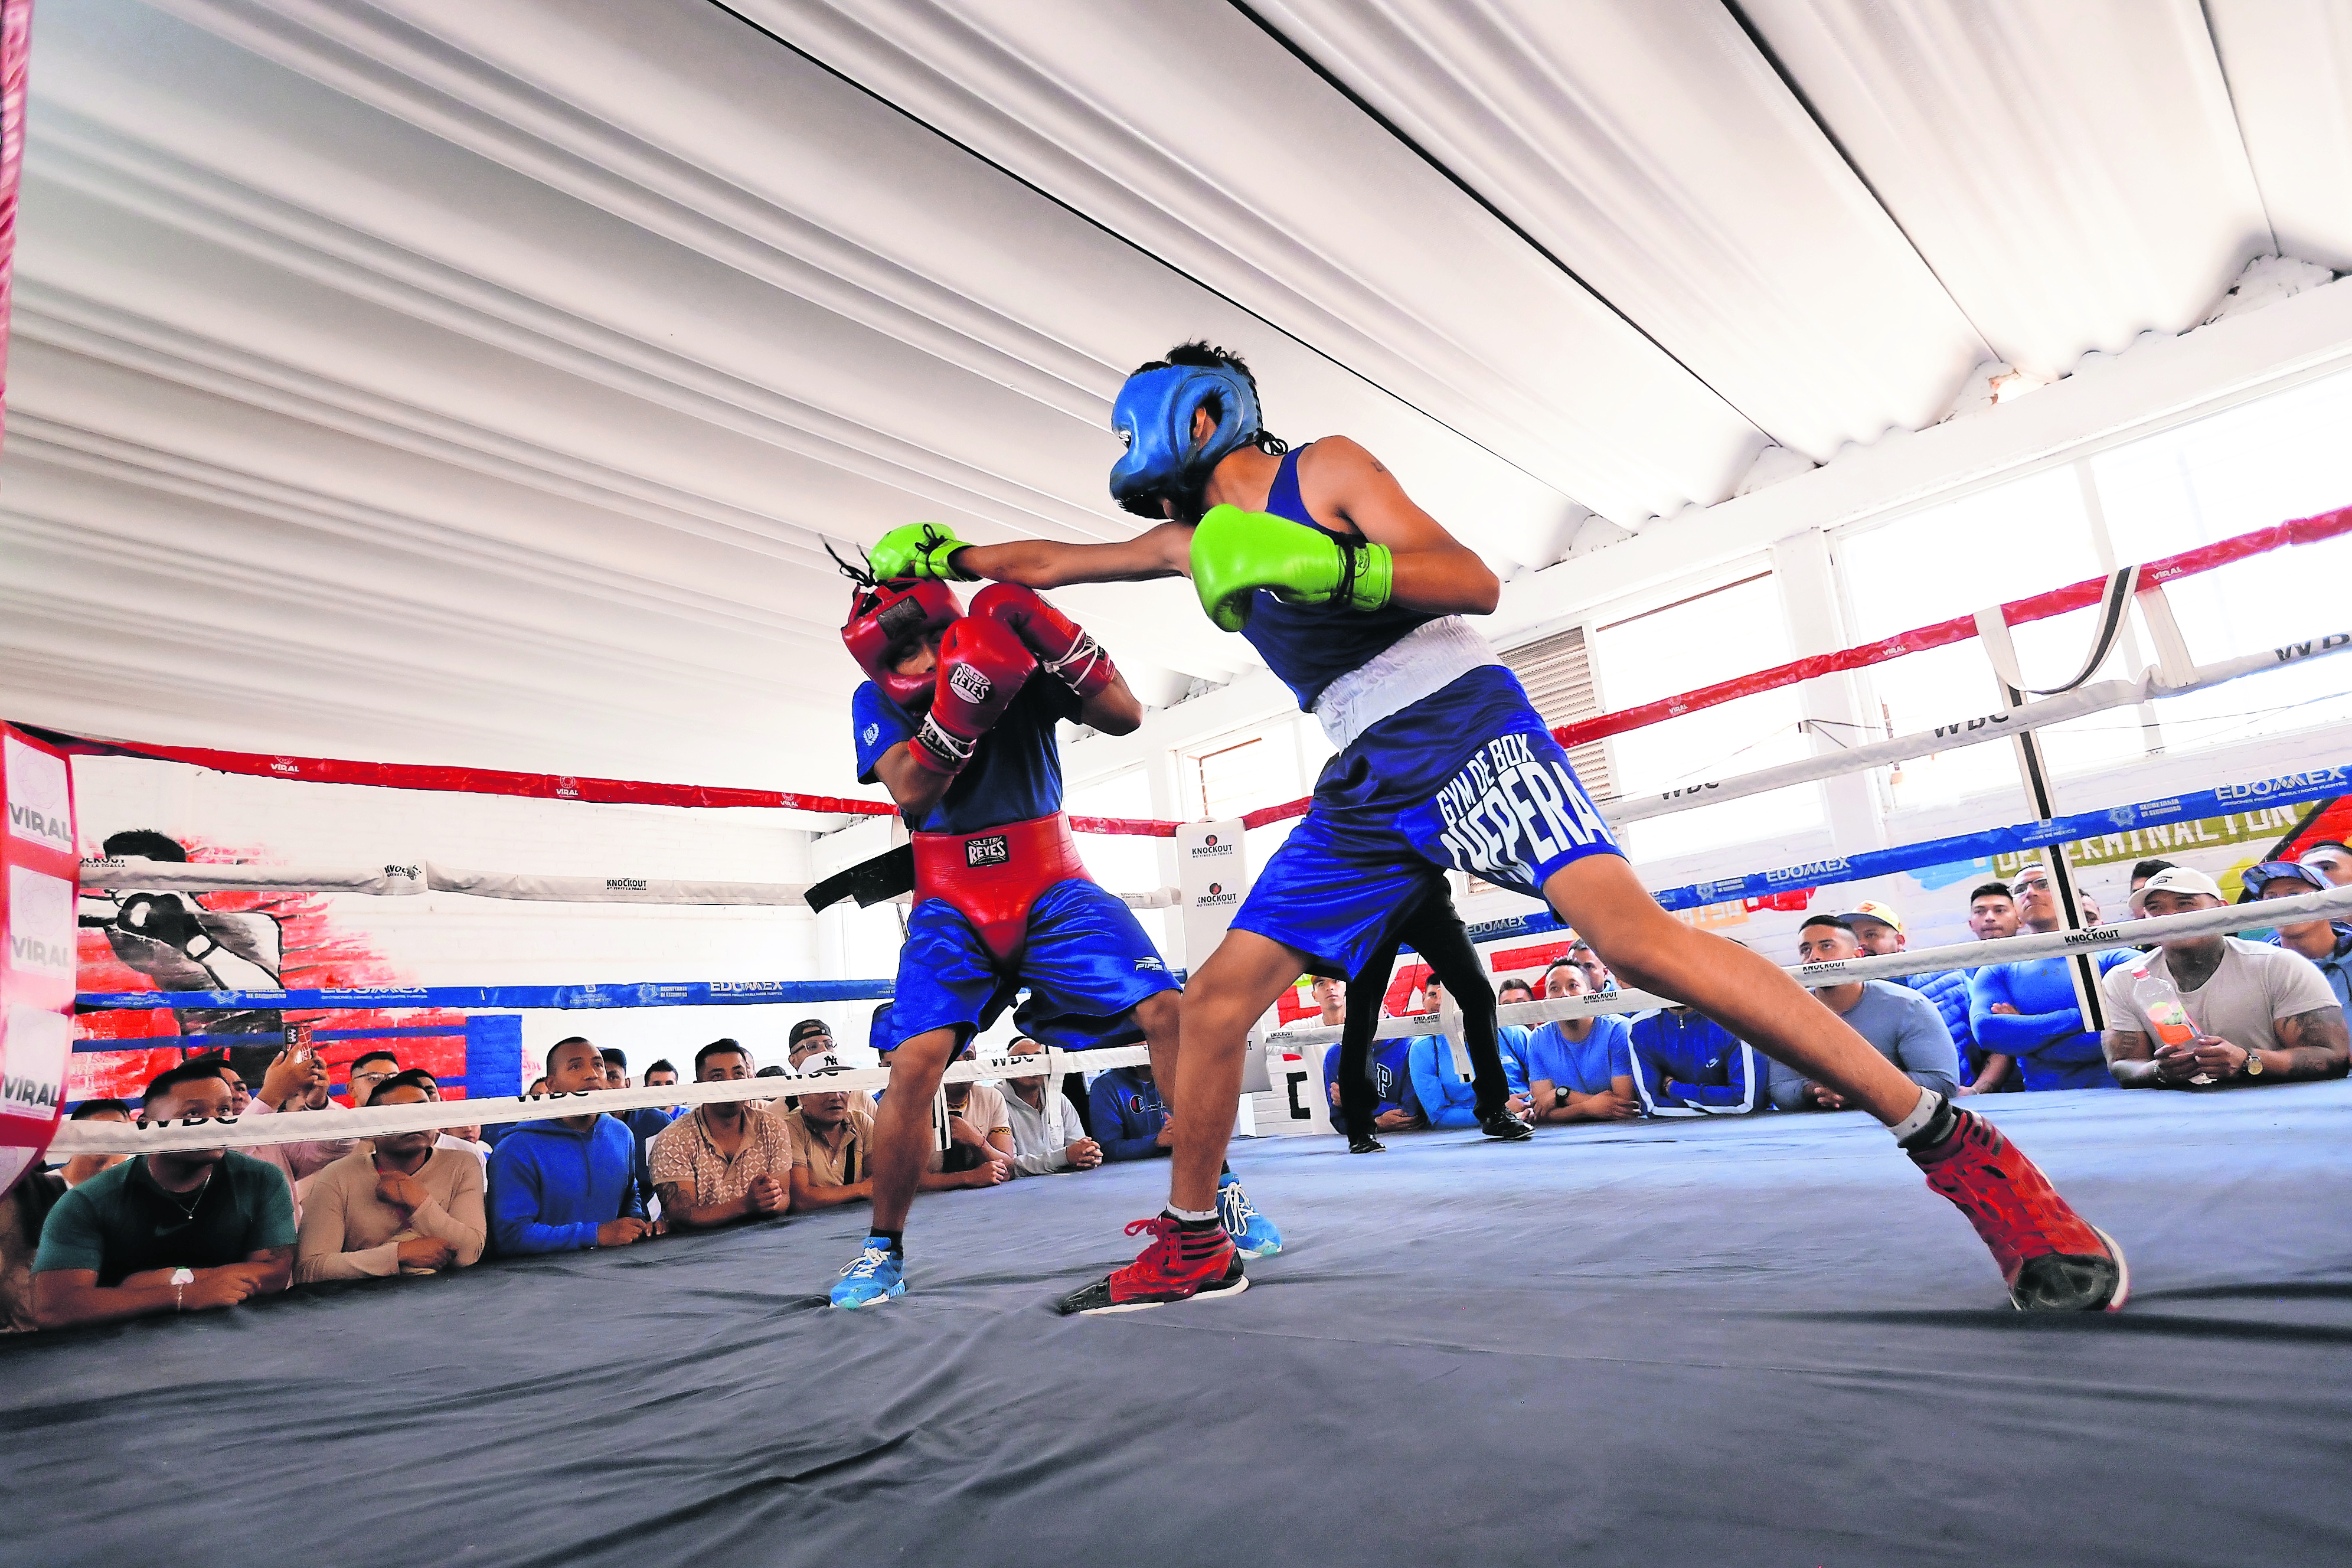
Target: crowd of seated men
pixel 102 1238
pixel 2264 1006
pixel 105 1238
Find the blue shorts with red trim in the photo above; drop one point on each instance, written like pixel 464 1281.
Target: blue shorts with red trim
pixel 1086 965
pixel 1466 780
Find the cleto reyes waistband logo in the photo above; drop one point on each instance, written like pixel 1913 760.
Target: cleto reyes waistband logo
pixel 993 850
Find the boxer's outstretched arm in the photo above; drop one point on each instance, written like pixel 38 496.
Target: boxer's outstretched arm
pixel 1164 550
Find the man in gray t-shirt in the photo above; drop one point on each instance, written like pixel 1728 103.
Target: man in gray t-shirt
pixel 1901 1023
pixel 2257 1014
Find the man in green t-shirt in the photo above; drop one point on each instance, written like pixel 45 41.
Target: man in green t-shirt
pixel 167 1233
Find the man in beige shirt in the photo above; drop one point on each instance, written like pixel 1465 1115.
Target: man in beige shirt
pixel 832 1140
pixel 403 1207
pixel 726 1161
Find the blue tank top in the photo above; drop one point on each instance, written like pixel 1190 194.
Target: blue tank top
pixel 1311 646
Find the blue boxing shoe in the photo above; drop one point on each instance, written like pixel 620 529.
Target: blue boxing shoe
pixel 873 1276
pixel 1253 1234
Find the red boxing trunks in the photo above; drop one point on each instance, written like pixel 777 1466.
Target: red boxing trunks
pixel 992 877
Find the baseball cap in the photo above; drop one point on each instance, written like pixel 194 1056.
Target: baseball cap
pixel 2179 879
pixel 2253 876
pixel 820 1063
pixel 1872 910
pixel 804 1029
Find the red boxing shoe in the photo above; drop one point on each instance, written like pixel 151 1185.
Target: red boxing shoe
pixel 1178 1265
pixel 2052 1259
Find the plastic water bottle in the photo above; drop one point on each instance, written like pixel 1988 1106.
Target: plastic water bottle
pixel 2153 991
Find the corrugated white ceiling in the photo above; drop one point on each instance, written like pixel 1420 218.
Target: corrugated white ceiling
pixel 463 383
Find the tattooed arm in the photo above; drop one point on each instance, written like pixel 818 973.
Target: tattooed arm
pixel 2313 1044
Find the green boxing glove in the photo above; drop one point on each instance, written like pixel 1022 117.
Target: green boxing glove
pixel 917 550
pixel 1237 553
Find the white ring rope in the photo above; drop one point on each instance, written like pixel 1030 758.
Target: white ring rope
pixel 376 1120
pixel 289 1127
pixel 1974 731
pixel 417 877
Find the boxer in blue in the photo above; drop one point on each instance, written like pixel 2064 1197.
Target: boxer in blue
pixel 1355 596
pixel 956 718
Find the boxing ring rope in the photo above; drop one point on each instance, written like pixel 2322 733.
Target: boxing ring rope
pixel 297 1126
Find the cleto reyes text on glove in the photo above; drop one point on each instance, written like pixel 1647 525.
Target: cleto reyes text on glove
pixel 1064 649
pixel 982 667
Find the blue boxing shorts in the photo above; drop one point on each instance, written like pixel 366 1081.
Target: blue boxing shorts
pixel 1467 780
pixel 1086 964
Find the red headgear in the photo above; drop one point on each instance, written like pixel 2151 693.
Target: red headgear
pixel 885 618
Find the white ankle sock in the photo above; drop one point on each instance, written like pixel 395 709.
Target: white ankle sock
pixel 1197 1216
pixel 1921 1114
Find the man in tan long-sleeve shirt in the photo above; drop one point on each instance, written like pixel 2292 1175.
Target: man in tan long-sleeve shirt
pixel 406 1205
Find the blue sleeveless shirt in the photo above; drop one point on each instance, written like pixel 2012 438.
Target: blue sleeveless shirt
pixel 1311 646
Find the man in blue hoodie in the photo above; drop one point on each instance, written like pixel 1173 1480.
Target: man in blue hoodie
pixel 1687 1063
pixel 1130 1120
pixel 2028 1010
pixel 567 1183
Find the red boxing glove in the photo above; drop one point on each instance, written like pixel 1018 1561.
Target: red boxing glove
pixel 982 668
pixel 1061 644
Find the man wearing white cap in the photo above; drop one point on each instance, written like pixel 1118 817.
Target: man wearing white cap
pixel 1878 927
pixel 2255 1013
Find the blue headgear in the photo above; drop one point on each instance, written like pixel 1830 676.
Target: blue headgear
pixel 1154 417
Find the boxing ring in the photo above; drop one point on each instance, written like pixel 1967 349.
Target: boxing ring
pixel 1721 1340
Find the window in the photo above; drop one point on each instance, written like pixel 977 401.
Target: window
pixel 2284 456
pixel 1122 862
pixel 1694 642
pixel 1953 560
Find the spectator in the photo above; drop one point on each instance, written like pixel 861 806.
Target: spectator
pixel 979 1128
pixel 1597 978
pixel 1580 1069
pixel 1901 1025
pixel 1879 928
pixel 370 1069
pixel 537 1087
pixel 1331 999
pixel 725 1159
pixel 167 1233
pixel 661 1075
pixel 2144 869
pixel 2332 858
pixel 24 1208
pixel 565 1183
pixel 2258 1014
pixel 1130 1119
pixel 1046 1135
pixel 1511 1039
pixel 239 1096
pixel 832 1140
pixel 1438 1083
pixel 297 1081
pixel 2327 944
pixel 809 1040
pixel 82 1167
pixel 616 1067
pixel 2027 1009
pixel 404 1206
pixel 645 1123
pixel 1993 914
pixel 1389 1069
pixel 1686 1064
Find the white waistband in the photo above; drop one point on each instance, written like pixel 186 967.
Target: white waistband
pixel 1422 663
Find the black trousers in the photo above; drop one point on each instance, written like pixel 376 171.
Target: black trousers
pixel 1434 930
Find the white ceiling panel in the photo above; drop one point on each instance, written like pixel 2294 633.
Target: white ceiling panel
pixel 1654 149
pixel 2290 69
pixel 1190 132
pixel 2071 170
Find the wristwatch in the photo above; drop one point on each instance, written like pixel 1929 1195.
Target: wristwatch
pixel 181 1279
pixel 2252 1067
